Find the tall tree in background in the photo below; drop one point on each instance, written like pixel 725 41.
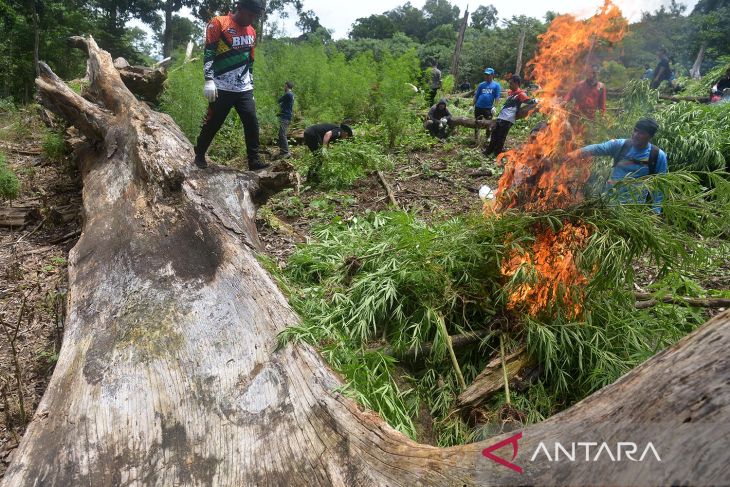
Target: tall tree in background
pixel 182 30
pixel 484 17
pixel 170 8
pixel 373 27
pixel 440 12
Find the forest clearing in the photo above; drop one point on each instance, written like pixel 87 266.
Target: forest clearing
pixel 389 306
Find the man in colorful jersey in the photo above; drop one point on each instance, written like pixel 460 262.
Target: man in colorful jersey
pixel 516 96
pixel 589 95
pixel 228 65
pixel 633 158
pixel 485 95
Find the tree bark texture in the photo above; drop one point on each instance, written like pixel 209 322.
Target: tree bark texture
pixel 170 372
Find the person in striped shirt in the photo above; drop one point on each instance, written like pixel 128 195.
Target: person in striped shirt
pixel 228 71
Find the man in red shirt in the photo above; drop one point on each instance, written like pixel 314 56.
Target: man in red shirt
pixel 589 95
pixel 228 71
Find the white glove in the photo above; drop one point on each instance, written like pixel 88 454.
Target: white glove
pixel 210 91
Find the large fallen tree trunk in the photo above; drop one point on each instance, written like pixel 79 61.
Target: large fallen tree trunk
pixel 170 373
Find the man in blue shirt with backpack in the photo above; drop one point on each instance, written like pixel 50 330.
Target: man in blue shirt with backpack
pixel 488 92
pixel 633 158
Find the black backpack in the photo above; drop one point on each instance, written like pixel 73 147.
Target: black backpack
pixel 653 155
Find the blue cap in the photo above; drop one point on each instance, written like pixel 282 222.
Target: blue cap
pixel 489 71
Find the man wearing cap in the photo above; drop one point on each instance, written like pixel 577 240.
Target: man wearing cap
pixel 589 95
pixel 516 96
pixel 228 72
pixel 485 95
pixel 633 158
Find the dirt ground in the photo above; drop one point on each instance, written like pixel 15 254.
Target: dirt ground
pixel 33 275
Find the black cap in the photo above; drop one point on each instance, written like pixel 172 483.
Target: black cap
pixel 516 78
pixel 346 128
pixel 647 125
pixel 255 6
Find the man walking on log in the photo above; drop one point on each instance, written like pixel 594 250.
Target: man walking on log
pixel 228 71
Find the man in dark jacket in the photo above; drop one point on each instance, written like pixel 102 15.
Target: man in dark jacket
pixel 286 105
pixel 438 122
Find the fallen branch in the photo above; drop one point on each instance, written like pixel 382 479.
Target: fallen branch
pixel 18 150
pixel 414 354
pixel 698 99
pixel 698 302
pixel 492 378
pixel 65 238
pixel 18 216
pixel 388 189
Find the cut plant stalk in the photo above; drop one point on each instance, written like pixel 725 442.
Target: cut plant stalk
pixel 447 339
pixel 504 368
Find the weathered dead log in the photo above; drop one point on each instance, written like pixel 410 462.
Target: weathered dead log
pixel 18 216
pixel 170 374
pixel 472 123
pixel 491 379
pixel 145 82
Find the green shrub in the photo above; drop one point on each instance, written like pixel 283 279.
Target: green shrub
pixel 54 146
pixel 341 164
pixel 9 185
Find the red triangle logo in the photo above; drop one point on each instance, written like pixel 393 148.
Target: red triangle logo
pixel 487 452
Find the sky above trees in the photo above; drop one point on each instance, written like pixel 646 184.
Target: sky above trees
pixel 339 16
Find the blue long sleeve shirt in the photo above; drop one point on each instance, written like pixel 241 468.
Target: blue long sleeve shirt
pixel 486 94
pixel 633 164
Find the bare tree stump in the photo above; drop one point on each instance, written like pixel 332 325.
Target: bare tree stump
pixel 170 374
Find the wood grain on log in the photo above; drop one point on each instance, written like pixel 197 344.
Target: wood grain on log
pixel 170 372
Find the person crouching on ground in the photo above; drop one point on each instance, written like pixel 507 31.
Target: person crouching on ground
pixel 438 122
pixel 228 71
pixel 507 116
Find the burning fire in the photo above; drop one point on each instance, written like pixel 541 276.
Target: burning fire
pixel 539 176
pixel 557 277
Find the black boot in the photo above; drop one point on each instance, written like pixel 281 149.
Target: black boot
pixel 256 165
pixel 200 160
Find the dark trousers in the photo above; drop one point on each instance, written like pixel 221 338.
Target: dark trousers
pixel 283 140
pixel 499 136
pixel 311 140
pixel 484 114
pixel 245 106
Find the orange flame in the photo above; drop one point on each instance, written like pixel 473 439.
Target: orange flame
pixel 539 175
pixel 558 279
